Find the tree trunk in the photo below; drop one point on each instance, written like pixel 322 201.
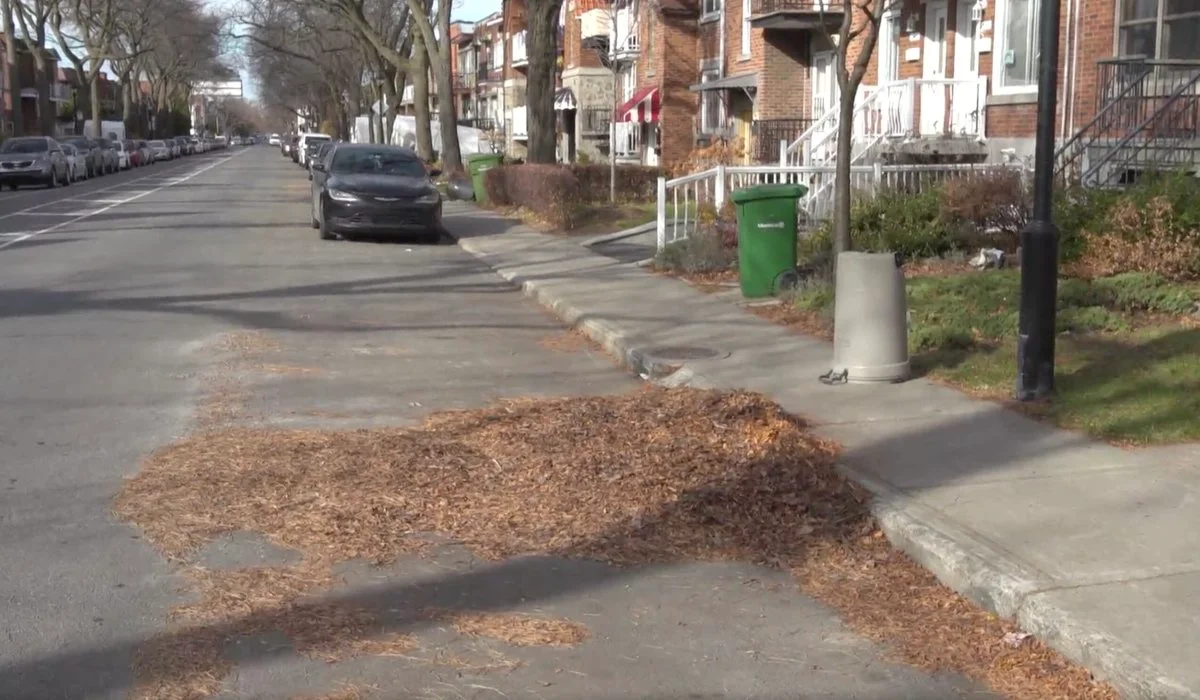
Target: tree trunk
pixel 94 91
pixel 451 155
pixel 127 88
pixel 841 177
pixel 12 69
pixel 392 89
pixel 420 81
pixel 45 83
pixel 543 51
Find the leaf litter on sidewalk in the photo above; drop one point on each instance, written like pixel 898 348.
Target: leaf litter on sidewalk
pixel 653 476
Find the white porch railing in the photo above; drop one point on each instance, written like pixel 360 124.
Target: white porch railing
pixel 520 54
pixel 681 199
pixel 899 110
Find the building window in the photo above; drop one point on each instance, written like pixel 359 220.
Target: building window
pixel 711 7
pixel 628 82
pixel 710 104
pixel 1161 29
pixel 889 54
pixel 746 10
pixel 1019 59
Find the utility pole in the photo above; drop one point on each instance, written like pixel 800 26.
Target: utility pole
pixel 1039 239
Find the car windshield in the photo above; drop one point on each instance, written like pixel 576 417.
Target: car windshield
pixel 361 161
pixel 24 146
pixel 79 143
pixel 157 144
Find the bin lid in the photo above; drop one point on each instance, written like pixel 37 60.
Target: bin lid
pixel 750 194
pixel 484 157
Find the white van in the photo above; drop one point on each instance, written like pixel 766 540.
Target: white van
pixel 302 145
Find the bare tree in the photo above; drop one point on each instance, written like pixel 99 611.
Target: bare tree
pixel 853 46
pixel 11 66
pixel 97 23
pixel 34 18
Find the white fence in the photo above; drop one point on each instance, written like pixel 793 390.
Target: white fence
pixel 680 200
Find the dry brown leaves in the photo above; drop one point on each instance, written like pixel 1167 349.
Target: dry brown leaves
pixel 180 666
pixel 517 630
pixel 804 321
pixel 573 340
pixel 348 691
pixel 657 475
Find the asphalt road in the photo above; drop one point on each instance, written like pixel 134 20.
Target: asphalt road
pixel 114 297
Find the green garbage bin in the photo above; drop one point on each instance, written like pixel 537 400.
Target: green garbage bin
pixel 766 218
pixel 477 165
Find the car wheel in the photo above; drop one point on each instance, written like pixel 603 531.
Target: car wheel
pixel 326 234
pixel 66 178
pixel 432 237
pixel 12 187
pixel 53 181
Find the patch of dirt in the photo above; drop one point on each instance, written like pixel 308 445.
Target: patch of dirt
pixel 291 370
pixel 247 344
pixel 653 476
pixel 568 341
pixel 518 630
pixel 811 323
pixel 936 267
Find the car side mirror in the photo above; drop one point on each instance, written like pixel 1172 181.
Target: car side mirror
pixel 434 172
pixel 318 166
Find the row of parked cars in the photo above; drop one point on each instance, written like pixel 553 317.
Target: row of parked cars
pixel 49 162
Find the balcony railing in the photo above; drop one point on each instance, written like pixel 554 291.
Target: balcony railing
pixel 767 133
pixel 796 14
pixel 625 46
pixel 595 120
pixel 520 122
pixel 465 80
pixel 481 123
pixel 520 53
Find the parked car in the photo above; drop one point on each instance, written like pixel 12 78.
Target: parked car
pixel 318 154
pixel 197 144
pixel 147 155
pixel 109 156
pixel 185 142
pixel 33 160
pixel 273 140
pixel 74 162
pixel 376 190
pixel 90 152
pixel 126 155
pixel 303 143
pixel 161 150
pixel 294 148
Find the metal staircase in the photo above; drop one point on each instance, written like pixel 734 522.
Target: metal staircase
pixel 1147 119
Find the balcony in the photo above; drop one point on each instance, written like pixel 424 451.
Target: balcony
pixel 802 15
pixel 625 48
pixel 520 123
pixel 520 53
pixel 465 80
pixel 594 121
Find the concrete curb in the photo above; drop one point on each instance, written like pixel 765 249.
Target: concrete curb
pixel 619 235
pixel 959 559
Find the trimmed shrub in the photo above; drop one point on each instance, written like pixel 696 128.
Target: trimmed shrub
pixel 712 248
pixel 550 192
pixel 988 210
pixel 891 222
pixel 635 183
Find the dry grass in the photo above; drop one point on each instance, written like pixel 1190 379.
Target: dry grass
pixel 518 630
pixel 174 666
pixel 656 475
pixel 291 370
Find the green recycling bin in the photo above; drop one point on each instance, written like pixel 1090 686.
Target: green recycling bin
pixel 477 165
pixel 766 218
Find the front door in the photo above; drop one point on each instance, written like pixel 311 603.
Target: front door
pixel 824 98
pixel 965 102
pixel 933 87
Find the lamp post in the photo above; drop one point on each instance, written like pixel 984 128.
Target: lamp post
pixel 1039 239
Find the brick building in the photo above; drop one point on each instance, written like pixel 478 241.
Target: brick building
pixel 27 98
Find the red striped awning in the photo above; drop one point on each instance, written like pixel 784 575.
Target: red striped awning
pixel 642 107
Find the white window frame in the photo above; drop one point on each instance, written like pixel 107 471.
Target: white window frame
pixel 891 34
pixel 710 9
pixel 628 139
pixel 710 123
pixel 628 82
pixel 746 11
pixel 1001 47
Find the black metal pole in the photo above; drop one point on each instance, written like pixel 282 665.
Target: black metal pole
pixel 1039 239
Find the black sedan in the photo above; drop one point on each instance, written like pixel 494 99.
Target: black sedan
pixel 373 190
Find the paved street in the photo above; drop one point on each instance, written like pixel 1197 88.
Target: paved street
pixel 127 307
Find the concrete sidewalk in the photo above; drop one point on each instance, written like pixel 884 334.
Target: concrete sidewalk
pixel 1092 548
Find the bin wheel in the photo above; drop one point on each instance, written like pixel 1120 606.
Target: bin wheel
pixel 787 281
